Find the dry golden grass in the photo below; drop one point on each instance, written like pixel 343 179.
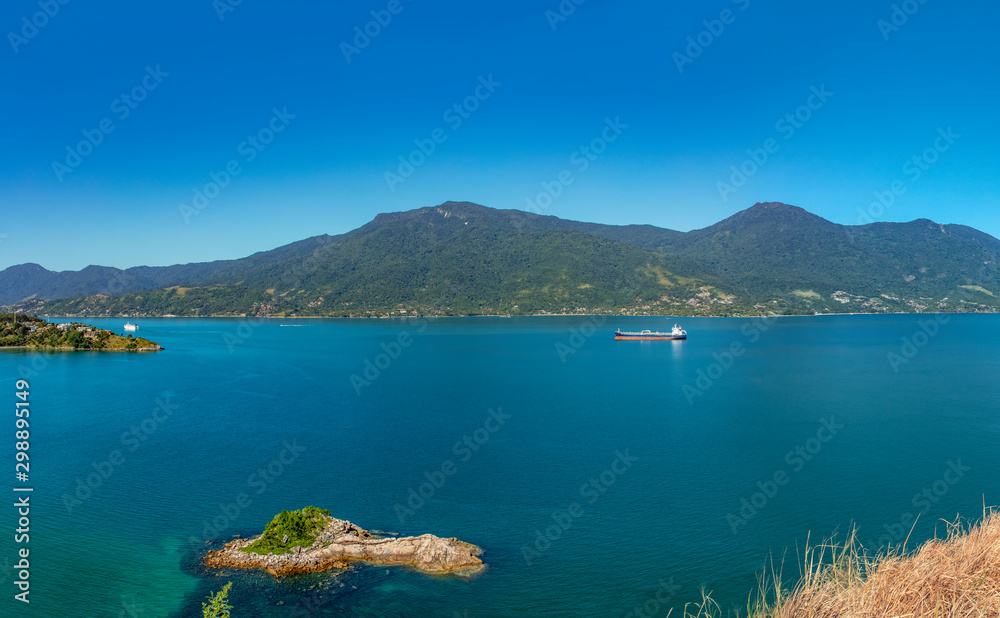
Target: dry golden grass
pixel 958 576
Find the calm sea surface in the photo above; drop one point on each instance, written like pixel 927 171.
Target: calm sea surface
pixel 624 477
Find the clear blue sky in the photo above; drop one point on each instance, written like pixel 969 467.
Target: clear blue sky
pixel 555 84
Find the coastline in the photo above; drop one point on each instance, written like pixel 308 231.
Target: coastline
pixel 72 349
pixel 533 315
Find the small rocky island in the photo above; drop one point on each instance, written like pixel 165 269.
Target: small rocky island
pixel 311 540
pixel 19 330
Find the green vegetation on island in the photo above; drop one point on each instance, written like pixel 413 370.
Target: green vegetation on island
pixel 290 529
pixel 19 330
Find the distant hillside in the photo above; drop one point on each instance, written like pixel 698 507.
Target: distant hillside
pixel 26 281
pixel 464 259
pixel 773 249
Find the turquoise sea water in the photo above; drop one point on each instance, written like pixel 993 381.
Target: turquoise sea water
pixel 604 491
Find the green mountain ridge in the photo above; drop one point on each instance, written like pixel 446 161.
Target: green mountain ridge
pixel 460 258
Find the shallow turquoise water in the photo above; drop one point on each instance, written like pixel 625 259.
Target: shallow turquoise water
pixel 875 446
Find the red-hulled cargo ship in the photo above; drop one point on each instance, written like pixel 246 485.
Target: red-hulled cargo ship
pixel 651 335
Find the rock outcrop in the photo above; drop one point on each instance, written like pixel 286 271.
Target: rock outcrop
pixel 340 542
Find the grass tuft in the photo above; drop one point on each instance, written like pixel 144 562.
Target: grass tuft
pixel 951 577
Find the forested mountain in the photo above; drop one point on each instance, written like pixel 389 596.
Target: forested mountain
pixel 464 259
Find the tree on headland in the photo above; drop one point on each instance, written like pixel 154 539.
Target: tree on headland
pixel 19 330
pixel 218 606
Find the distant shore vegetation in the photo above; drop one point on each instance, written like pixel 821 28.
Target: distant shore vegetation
pixel 227 302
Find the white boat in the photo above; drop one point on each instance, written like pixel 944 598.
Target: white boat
pixel 131 326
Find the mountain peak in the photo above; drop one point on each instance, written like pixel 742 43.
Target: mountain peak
pixel 26 267
pixel 772 205
pixel 777 207
pixel 461 210
pixel 447 209
pixel 771 213
pixel 449 205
